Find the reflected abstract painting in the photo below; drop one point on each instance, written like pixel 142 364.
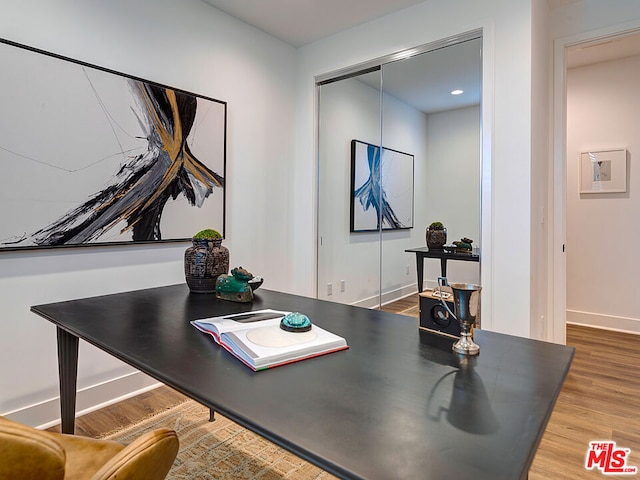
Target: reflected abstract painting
pixel 91 156
pixel 381 188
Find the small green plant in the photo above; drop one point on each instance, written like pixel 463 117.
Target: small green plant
pixel 436 226
pixel 207 234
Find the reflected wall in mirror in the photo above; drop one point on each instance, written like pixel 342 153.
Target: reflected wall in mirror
pixel 348 109
pixel 405 106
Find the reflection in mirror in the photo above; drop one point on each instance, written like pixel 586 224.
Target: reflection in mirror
pixel 421 116
pixel 348 265
pixel 405 107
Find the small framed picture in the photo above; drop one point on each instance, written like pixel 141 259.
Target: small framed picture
pixel 603 171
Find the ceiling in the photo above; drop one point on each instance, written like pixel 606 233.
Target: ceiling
pixel 425 84
pixel 425 81
pixel 604 50
pixel 298 22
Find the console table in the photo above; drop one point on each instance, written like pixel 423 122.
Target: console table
pixel 397 404
pixel 424 252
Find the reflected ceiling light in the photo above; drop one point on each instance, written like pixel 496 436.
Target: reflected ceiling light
pixel 407 53
pixel 457 92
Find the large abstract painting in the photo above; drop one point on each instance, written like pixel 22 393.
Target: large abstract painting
pixel 90 156
pixel 381 188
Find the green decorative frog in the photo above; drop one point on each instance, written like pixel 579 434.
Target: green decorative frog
pixel 464 245
pixel 235 287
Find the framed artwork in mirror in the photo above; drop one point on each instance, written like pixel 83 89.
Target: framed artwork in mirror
pixel 603 171
pixel 91 156
pixel 381 188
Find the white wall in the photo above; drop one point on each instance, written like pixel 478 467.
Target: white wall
pixel 603 263
pixel 187 45
pixel 452 188
pixel 404 129
pixel 507 130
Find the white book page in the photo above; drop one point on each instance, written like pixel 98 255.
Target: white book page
pixel 226 323
pixel 265 345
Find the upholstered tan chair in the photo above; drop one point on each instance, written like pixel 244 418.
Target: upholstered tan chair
pixel 28 453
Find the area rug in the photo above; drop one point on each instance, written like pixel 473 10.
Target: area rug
pixel 220 449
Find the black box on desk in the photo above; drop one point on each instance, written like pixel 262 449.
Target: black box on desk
pixel 434 317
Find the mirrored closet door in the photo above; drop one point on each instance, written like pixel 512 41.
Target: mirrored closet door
pixel 396 152
pixel 348 262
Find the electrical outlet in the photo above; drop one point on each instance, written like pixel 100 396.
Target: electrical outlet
pixel 329 288
pixel 343 285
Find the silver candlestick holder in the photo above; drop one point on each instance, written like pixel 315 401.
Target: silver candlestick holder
pixel 466 303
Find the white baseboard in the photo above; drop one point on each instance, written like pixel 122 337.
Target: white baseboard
pixel 47 413
pixel 429 285
pixel 387 297
pixel 608 322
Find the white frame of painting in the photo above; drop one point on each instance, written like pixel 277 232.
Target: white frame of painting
pixel 613 176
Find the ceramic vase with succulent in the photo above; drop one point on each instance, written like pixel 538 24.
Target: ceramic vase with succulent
pixel 205 261
pixel 436 235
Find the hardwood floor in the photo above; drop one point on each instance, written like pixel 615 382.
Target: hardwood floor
pixel 600 400
pixel 402 305
pixel 134 409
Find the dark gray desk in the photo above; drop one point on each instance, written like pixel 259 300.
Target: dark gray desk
pixel 398 404
pixel 424 252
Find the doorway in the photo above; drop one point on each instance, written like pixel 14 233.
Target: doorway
pixel 592 282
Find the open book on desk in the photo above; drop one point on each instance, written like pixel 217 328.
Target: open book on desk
pixel 256 338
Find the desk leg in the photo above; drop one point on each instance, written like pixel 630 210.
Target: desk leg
pixel 212 414
pixel 420 270
pixel 68 375
pixel 443 267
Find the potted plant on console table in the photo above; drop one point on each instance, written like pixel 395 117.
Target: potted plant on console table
pixel 205 261
pixel 436 236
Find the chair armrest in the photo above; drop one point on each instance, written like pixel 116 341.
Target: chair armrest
pixel 149 457
pixel 26 452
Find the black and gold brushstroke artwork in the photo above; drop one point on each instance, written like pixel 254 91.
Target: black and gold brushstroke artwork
pixel 91 156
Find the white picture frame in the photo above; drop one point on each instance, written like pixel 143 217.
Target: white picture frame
pixel 603 171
